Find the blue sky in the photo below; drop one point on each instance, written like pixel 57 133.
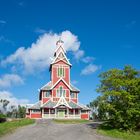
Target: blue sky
pixel 108 33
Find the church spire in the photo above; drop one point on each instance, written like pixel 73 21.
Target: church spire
pixel 59 47
pixel 60 42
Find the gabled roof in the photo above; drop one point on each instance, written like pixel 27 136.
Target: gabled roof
pixel 83 107
pixel 74 88
pixel 62 101
pixel 47 86
pixel 73 105
pixel 60 47
pixel 61 79
pixel 36 105
pixel 49 104
pixel 54 60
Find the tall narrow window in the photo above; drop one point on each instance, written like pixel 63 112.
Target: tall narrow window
pixel 61 92
pixel 61 71
pixel 47 94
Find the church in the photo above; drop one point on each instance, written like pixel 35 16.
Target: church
pixel 58 98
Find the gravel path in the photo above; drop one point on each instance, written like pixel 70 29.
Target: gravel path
pixel 48 130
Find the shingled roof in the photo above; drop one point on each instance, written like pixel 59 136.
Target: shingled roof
pixel 73 105
pixel 49 104
pixel 83 107
pixel 36 105
pixel 48 86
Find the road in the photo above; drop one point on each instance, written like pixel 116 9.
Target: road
pixel 48 130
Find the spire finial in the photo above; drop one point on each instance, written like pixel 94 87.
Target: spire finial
pixel 59 42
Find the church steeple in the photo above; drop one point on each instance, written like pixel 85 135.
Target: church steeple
pixel 59 47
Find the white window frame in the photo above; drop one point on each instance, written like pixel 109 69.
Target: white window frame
pixel 63 91
pixel 45 92
pixel 63 71
pixel 75 97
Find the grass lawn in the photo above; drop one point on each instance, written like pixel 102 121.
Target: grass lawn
pixel 119 134
pixel 8 127
pixel 70 121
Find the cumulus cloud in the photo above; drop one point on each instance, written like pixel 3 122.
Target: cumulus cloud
pixel 13 101
pixel 91 68
pixel 79 54
pixel 37 56
pixel 8 80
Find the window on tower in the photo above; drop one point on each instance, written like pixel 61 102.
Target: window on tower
pixel 61 71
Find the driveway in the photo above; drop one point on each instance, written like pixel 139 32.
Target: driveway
pixel 48 130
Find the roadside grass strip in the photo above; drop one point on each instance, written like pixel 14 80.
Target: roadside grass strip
pixel 115 133
pixel 9 127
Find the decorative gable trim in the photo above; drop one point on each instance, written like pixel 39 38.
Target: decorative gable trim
pixel 61 79
pixel 60 47
pixel 62 101
pixel 61 59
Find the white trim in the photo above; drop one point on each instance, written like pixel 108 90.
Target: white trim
pixel 58 48
pixel 46 84
pixel 62 101
pixel 59 81
pixel 46 102
pixel 61 59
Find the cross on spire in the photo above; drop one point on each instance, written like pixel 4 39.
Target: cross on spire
pixel 60 42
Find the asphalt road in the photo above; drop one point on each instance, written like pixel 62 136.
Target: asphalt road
pixel 48 130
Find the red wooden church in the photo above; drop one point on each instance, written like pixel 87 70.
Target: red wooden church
pixel 59 98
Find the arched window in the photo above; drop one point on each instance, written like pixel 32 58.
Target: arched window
pixel 61 92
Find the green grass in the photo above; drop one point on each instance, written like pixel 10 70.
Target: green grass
pixel 9 127
pixel 119 134
pixel 70 121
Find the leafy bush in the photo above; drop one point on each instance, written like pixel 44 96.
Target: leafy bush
pixel 2 118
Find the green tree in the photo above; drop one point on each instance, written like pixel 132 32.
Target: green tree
pixel 21 111
pixel 121 97
pixel 99 110
pixel 3 106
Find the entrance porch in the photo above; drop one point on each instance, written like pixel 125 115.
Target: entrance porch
pixel 61 113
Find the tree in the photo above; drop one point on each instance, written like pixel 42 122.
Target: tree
pixel 3 106
pixel 21 111
pixel 99 110
pixel 121 97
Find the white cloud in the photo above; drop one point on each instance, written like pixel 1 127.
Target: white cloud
pixel 79 54
pixel 13 101
pixel 88 59
pixel 8 80
pixel 91 68
pixel 37 56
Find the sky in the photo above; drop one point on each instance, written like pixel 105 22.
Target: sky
pixel 98 36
